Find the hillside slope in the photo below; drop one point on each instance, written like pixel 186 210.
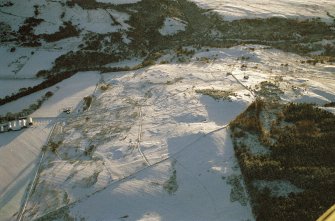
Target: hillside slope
pixel 132 101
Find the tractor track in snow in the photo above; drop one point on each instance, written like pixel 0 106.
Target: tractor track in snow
pixel 139 137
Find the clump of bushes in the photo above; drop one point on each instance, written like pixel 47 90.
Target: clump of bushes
pixel 170 82
pixel 36 11
pixel 269 90
pixel 330 104
pixel 87 102
pixel 148 63
pixel 104 87
pixel 26 35
pixel 171 185
pixel 89 150
pixel 217 94
pixel 54 146
pixel 180 51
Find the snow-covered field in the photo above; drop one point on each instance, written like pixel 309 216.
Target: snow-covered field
pixel 151 148
pixel 25 62
pixel 238 9
pixel 19 153
pixel 54 13
pixel 172 127
pixel 9 86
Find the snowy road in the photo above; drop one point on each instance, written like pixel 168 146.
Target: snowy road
pixel 19 152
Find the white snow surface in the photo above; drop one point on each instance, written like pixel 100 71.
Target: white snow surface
pixel 55 14
pixel 119 2
pixel 172 26
pixel 302 9
pixel 26 62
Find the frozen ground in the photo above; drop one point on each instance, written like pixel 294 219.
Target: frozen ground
pixel 238 9
pixel 151 148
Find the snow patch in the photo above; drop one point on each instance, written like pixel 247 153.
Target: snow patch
pixel 278 188
pixel 172 26
pixel 119 2
pixel 239 9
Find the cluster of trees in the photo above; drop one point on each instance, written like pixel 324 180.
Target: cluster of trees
pixel 84 60
pixel 269 90
pixel 28 38
pixel 26 35
pixel 303 154
pixel 65 31
pixel 330 104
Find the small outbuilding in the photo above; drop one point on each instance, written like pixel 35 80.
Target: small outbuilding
pixel 10 127
pixel 16 125
pixel 30 121
pixel 24 123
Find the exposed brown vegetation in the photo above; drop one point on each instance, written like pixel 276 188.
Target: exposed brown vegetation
pixel 65 31
pixel 87 102
pixel 217 94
